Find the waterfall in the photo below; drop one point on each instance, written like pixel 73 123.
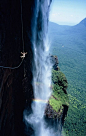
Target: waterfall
pixel 41 70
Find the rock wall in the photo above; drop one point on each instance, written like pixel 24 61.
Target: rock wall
pixel 15 85
pixel 16 90
pixel 55 118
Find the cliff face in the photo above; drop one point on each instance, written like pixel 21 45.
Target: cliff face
pixel 15 85
pixel 16 91
pixel 58 103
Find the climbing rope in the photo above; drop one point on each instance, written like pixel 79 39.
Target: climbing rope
pixel 22 37
pixel 22 24
pixel 13 67
pixel 23 53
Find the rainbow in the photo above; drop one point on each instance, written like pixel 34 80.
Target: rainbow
pixel 40 100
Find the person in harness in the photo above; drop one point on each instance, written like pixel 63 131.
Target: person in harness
pixel 23 54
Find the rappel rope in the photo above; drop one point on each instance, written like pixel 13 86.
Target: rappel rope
pixel 23 53
pixel 13 67
pixel 22 36
pixel 22 24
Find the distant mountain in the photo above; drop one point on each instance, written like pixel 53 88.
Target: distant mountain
pixel 83 22
pixel 80 28
pixel 57 28
pixel 69 36
pixel 64 28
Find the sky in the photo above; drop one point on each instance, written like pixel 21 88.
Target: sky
pixel 67 12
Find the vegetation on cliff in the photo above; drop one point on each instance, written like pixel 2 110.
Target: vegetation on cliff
pixel 59 98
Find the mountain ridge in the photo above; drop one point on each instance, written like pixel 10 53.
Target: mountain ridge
pixel 83 21
pixel 69 36
pixel 79 28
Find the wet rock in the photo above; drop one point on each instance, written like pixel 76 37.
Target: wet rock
pixel 15 85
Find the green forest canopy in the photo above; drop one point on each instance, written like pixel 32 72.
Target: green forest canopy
pixel 70 47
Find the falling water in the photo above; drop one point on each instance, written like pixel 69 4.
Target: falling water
pixel 41 69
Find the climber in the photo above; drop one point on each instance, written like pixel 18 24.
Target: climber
pixel 23 54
